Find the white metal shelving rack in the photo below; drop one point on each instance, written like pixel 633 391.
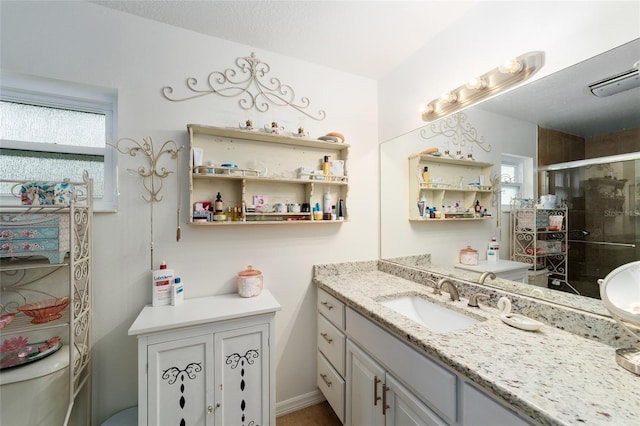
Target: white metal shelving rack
pixel 535 242
pixel 21 274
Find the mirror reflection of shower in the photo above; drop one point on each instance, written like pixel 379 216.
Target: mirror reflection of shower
pixel 603 199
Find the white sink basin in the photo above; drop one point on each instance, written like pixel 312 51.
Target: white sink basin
pixel 433 316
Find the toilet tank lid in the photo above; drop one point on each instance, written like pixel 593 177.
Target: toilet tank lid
pixel 43 367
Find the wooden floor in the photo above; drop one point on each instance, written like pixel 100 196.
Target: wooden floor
pixel 316 415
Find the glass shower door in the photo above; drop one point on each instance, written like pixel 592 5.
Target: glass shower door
pixel 603 200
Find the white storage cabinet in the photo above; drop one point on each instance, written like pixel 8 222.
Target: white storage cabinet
pixel 208 361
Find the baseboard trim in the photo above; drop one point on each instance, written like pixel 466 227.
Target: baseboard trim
pixel 299 402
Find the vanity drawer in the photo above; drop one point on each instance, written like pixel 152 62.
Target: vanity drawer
pixel 331 308
pixel 331 343
pixel 331 385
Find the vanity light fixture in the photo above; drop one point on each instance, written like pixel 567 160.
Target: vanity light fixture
pixel 498 79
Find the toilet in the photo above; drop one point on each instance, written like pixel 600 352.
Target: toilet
pixel 34 394
pixel 126 417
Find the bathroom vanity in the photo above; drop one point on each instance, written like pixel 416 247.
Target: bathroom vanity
pixel 207 361
pixel 398 371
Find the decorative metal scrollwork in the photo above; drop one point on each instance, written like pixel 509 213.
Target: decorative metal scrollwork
pixel 249 357
pixel 153 175
pixel 457 129
pixel 251 73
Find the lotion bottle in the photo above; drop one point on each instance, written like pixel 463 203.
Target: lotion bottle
pixel 161 286
pixel 326 205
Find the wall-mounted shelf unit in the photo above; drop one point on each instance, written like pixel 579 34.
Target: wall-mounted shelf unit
pixel 277 169
pixel 539 238
pixel 452 182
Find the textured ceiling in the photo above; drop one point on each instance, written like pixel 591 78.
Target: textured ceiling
pixel 366 38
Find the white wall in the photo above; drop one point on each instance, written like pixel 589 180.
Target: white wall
pixel 568 32
pixel 82 42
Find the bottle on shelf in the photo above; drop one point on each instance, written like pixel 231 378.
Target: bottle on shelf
pixel 326 167
pixel 218 213
pixel 342 210
pixel 425 177
pixel 326 206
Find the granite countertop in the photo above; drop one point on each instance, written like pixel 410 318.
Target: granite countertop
pixel 552 376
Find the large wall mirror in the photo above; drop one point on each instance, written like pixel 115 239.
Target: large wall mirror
pixel 507 125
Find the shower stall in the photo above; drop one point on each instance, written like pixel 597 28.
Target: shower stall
pixel 603 200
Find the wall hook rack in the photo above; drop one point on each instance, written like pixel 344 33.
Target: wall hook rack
pixel 250 82
pixel 152 173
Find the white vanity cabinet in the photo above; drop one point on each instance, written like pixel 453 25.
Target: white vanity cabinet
pixel 390 383
pixel 331 351
pixel 375 397
pixel 208 361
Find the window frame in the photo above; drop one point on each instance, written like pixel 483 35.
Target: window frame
pixel 71 96
pixel 524 168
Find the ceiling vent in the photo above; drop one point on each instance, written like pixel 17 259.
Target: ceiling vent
pixel 616 84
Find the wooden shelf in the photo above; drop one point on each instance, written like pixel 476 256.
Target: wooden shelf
pixel 292 166
pixel 447 175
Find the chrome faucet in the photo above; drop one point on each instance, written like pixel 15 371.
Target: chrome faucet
pixel 473 300
pixel 485 275
pixel 453 291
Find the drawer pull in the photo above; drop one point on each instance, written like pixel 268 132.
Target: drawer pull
pixel 385 388
pixel 327 381
pixel 326 338
pixel 376 398
pixel 327 305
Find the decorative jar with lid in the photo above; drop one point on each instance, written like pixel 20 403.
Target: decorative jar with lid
pixel 468 256
pixel 249 282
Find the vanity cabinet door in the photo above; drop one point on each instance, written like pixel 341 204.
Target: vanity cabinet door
pixel 242 376
pixel 404 409
pixel 180 381
pixel 479 409
pixel 365 385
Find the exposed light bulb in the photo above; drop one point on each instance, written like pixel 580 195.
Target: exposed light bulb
pixel 477 83
pixel 427 109
pixel 511 66
pixel 449 97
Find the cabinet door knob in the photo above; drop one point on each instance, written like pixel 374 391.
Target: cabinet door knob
pixel 376 398
pixel 210 409
pixel 327 305
pixel 329 340
pixel 327 381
